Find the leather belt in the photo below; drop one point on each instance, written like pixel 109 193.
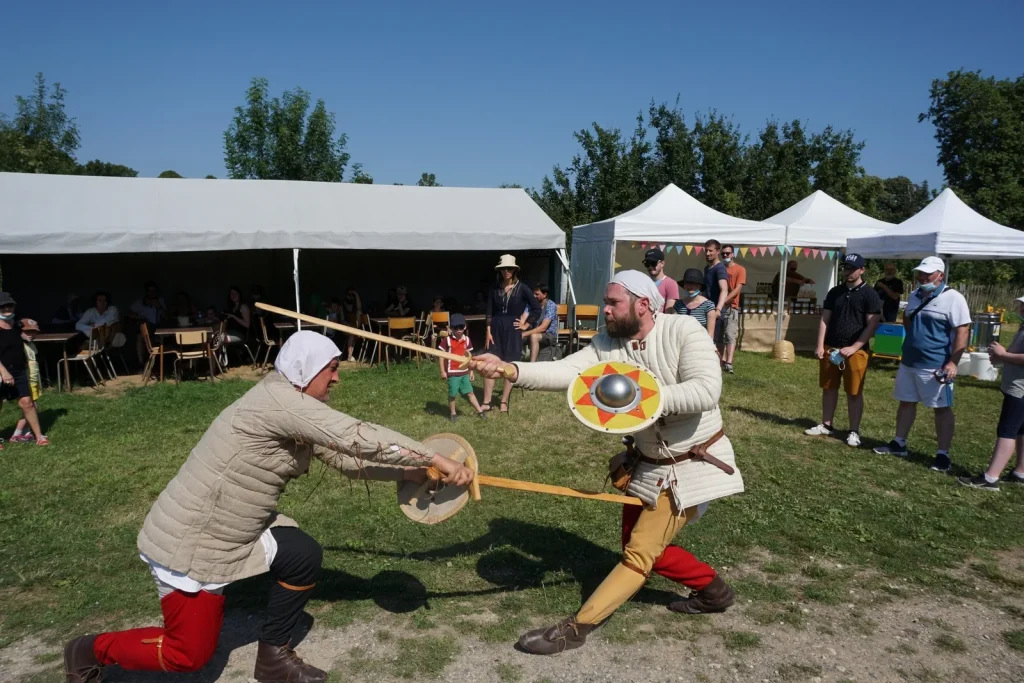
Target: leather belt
pixel 698 452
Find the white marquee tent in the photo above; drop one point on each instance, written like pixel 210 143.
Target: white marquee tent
pixel 946 227
pixel 818 220
pixel 670 216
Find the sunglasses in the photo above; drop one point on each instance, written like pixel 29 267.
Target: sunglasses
pixel 726 253
pixel 651 264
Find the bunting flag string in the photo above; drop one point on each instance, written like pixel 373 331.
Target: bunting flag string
pixel 689 249
pixel 772 250
pixel 698 249
pixel 746 251
pixel 679 248
pixel 643 245
pixel 743 251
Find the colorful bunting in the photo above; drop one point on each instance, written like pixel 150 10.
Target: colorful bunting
pixel 699 249
pixel 797 250
pixel 757 251
pixel 662 246
pixel 744 250
pixel 679 248
pixel 831 255
pixel 814 253
pixel 771 250
pixel 689 249
pixel 643 245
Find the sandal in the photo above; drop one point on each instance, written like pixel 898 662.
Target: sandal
pixel 503 408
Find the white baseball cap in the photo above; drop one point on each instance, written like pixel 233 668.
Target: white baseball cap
pixel 931 264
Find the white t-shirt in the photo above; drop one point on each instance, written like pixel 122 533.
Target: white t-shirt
pixel 931 331
pixel 168 580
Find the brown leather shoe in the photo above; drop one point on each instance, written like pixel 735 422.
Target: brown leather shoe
pixel 565 635
pixel 80 663
pixel 276 664
pixel 715 597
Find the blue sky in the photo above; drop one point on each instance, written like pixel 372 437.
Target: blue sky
pixel 485 96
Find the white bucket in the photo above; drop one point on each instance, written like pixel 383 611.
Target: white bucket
pixel 981 367
pixel 964 368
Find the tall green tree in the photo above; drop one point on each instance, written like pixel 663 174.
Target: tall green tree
pixel 674 157
pixel 280 139
pixel 359 176
pixel 979 127
pixel 835 156
pixel 777 170
pixel 720 150
pixel 170 174
pixel 104 168
pixel 428 180
pixel 41 137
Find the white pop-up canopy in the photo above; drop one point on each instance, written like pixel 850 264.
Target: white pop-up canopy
pixel 670 216
pixel 946 227
pixel 55 214
pixel 818 220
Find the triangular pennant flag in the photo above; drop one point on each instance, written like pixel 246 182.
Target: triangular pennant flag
pixel 643 245
pixel 662 246
pixel 757 251
pixel 771 250
pixel 689 249
pixel 634 246
pixel 618 265
pixel 744 250
pixel 814 253
pixel 699 249
pixel 679 248
pixel 821 254
pixel 831 255
pixel 797 250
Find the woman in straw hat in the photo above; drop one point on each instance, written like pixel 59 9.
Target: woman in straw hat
pixel 508 302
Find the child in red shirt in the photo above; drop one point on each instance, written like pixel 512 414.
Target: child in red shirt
pixel 460 379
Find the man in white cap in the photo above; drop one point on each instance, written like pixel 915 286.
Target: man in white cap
pixel 937 322
pixel 680 463
pixel 216 523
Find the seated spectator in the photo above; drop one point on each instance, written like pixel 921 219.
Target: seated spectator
pixel 693 303
pixel 334 315
pixel 352 307
pixel 256 294
pixel 480 303
pixel 65 317
pixel 238 316
pixel 14 370
pixel 184 310
pixel 401 306
pixel 151 310
pixel 545 334
pixel 102 313
pixel 437 305
pixel 210 317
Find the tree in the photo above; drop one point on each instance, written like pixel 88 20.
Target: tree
pixel 777 170
pixel 104 168
pixel 169 174
pixel 979 127
pixel 41 138
pixel 359 176
pixel 273 139
pixel 720 157
pixel 835 156
pixel 428 180
pixel 211 177
pixel 510 186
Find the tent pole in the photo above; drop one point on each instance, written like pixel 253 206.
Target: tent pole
pixel 295 276
pixel 568 273
pixel 782 289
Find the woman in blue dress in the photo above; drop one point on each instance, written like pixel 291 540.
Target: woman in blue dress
pixel 508 306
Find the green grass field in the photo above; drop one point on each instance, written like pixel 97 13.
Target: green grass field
pixel 69 514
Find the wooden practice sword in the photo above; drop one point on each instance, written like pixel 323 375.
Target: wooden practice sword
pixel 516 484
pixel 508 370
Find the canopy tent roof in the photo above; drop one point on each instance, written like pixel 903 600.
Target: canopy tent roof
pixel 674 216
pixel 818 220
pixel 946 227
pixel 55 214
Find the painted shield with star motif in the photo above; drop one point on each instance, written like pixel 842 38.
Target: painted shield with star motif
pixel 615 397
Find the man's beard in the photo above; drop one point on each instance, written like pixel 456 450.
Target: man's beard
pixel 623 329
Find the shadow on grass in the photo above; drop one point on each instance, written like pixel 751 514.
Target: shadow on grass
pixel 516 555
pixel 800 422
pixel 47 418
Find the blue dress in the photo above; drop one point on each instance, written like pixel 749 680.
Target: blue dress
pixel 503 310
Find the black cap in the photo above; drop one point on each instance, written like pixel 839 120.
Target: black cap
pixel 693 276
pixel 457 320
pixel 6 299
pixel 854 261
pixel 654 255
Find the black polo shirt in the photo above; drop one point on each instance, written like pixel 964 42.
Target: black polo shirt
pixel 850 310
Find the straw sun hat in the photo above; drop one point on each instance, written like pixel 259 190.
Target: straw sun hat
pixel 507 261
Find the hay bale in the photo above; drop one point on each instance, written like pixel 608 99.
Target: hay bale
pixel 783 351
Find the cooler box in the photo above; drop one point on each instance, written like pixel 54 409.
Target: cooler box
pixel 888 340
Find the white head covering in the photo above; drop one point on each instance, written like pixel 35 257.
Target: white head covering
pixel 304 355
pixel 640 285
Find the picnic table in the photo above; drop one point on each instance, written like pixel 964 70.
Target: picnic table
pixel 170 331
pixel 63 337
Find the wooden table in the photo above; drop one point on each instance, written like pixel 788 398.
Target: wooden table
pixel 59 337
pixel 168 331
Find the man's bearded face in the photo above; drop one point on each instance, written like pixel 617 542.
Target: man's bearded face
pixel 621 318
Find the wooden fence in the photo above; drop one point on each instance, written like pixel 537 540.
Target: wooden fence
pixel 998 296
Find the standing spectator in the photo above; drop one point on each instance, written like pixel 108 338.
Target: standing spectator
pixel 29 329
pixel 334 315
pixel 545 334
pixel 14 368
pixel 890 291
pixel 352 308
pixel 794 281
pixel 849 317
pixel 730 324
pixel 507 306
pixel 937 320
pixel 694 303
pixel 716 277
pixel 1010 430
pixel 460 379
pixel 66 317
pixel 102 313
pixel 654 262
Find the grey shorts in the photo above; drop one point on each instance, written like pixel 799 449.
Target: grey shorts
pixel 729 326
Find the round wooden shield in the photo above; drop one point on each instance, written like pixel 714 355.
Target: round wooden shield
pixel 432 502
pixel 615 397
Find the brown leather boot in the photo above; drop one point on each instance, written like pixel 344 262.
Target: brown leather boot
pixel 280 664
pixel 565 635
pixel 80 663
pixel 715 597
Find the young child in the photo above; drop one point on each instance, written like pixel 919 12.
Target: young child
pixel 460 380
pixel 29 328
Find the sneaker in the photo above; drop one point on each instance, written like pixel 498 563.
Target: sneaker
pixel 351 359
pixel 892 448
pixel 942 463
pixel 22 438
pixel 1011 478
pixel 820 430
pixel 727 367
pixel 853 440
pixel 42 441
pixel 453 418
pixel 979 482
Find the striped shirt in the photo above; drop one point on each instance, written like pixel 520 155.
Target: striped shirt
pixel 699 312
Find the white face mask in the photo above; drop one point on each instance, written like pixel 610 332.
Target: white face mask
pixel 7 316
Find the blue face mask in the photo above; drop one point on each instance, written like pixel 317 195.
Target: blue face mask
pixel 693 293
pixel 6 316
pixel 727 261
pixel 928 286
pixel 836 358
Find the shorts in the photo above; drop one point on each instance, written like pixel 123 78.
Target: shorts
pixel 852 376
pixel 1011 418
pixel 919 385
pixel 547 340
pixel 459 386
pixel 20 388
pixel 728 328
